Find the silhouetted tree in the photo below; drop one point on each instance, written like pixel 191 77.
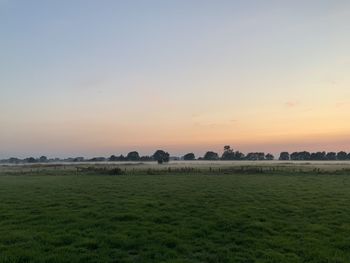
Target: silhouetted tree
pixel 227 148
pixel 121 158
pixel 31 160
pixel 255 156
pixel 331 156
pixel 294 156
pixel 269 157
pixel 341 156
pixel 189 157
pixel 43 159
pixel 78 159
pixel 284 156
pixel 304 155
pixel 14 160
pixel 97 159
pixel 318 156
pixel 300 156
pixel 146 158
pixel 211 156
pixel 261 156
pixel 251 157
pixel 133 156
pixel 113 158
pixel 228 153
pixel 238 155
pixel 161 156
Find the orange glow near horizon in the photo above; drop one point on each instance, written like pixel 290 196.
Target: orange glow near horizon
pixel 103 137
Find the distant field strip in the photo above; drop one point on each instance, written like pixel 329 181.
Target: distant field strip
pixel 208 167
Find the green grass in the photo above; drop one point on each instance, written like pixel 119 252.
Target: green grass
pixel 175 218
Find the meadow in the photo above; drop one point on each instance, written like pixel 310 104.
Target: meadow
pixel 175 216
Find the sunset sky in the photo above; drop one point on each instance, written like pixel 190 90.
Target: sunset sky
pixel 95 78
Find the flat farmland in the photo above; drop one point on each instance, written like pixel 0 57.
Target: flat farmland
pixel 175 217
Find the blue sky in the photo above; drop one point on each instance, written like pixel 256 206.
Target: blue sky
pixel 102 77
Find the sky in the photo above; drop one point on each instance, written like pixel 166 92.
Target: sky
pixel 94 78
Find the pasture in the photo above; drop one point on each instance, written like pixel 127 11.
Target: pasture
pixel 174 216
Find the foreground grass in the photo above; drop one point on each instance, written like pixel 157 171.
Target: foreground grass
pixel 175 218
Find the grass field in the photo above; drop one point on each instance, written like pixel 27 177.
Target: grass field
pixel 175 218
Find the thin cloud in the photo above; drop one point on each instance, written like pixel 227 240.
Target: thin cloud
pixel 291 104
pixel 342 104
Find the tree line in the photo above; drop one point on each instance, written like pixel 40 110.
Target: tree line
pixel 162 156
pixel 315 156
